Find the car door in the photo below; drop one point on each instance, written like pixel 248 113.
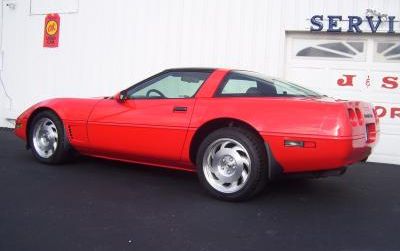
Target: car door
pixel 150 126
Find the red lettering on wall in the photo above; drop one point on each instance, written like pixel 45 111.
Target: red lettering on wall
pixel 395 112
pixel 380 111
pixel 368 82
pixel 390 82
pixel 346 81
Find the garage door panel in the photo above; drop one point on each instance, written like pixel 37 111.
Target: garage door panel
pixel 332 66
pixel 379 97
pixel 342 95
pixel 384 158
pixel 390 146
pixel 330 80
pixel 389 117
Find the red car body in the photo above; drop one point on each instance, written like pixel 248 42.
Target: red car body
pixel 332 133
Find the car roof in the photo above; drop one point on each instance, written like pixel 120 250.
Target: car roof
pixel 201 69
pixel 211 69
pixel 257 75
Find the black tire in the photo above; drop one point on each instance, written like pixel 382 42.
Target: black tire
pixel 257 153
pixel 63 151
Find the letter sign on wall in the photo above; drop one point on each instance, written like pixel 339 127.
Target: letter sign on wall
pixel 51 30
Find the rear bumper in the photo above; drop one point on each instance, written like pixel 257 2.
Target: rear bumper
pixel 327 153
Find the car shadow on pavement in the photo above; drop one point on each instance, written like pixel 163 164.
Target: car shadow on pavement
pixel 293 190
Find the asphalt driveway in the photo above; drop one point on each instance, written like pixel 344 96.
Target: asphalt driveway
pixel 104 205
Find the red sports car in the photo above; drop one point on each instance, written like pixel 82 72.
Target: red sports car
pixel 237 129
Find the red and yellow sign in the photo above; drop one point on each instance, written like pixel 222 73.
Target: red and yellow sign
pixel 51 30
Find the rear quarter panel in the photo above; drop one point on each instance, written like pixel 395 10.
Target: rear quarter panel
pixel 324 121
pixel 274 115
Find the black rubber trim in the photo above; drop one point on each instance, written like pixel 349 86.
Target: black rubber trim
pixel 275 170
pixel 317 174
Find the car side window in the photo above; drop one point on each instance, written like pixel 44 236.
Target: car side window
pixel 182 84
pixel 239 85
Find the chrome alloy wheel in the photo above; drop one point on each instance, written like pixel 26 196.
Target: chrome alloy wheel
pixel 45 137
pixel 226 165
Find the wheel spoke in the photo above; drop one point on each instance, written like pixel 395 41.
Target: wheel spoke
pixel 244 175
pixel 238 149
pixel 246 161
pixel 224 144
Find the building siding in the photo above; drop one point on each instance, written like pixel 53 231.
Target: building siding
pixel 106 46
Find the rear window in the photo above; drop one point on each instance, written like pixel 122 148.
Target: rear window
pixel 249 84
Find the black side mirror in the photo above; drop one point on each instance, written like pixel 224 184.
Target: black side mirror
pixel 122 96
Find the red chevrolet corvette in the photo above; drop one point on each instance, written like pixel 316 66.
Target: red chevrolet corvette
pixel 237 129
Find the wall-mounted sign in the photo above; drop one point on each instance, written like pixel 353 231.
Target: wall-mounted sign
pixel 371 22
pixel 51 30
pixel 387 82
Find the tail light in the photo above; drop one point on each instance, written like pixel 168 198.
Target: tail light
pixel 355 116
pixel 371 132
pixel 359 116
pixel 352 116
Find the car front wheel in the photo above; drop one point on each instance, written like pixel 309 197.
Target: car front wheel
pixel 47 139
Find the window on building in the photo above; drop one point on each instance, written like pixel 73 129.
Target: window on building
pixel 388 52
pixel 336 50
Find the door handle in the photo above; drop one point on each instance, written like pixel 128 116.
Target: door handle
pixel 180 109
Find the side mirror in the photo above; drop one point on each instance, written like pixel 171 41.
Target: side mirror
pixel 121 96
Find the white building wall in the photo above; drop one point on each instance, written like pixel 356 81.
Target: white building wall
pixel 106 46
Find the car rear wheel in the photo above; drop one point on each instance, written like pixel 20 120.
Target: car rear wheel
pixel 47 139
pixel 231 164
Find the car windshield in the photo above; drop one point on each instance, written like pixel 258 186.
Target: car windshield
pixel 281 87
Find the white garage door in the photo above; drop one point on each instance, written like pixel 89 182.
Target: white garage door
pixel 359 67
